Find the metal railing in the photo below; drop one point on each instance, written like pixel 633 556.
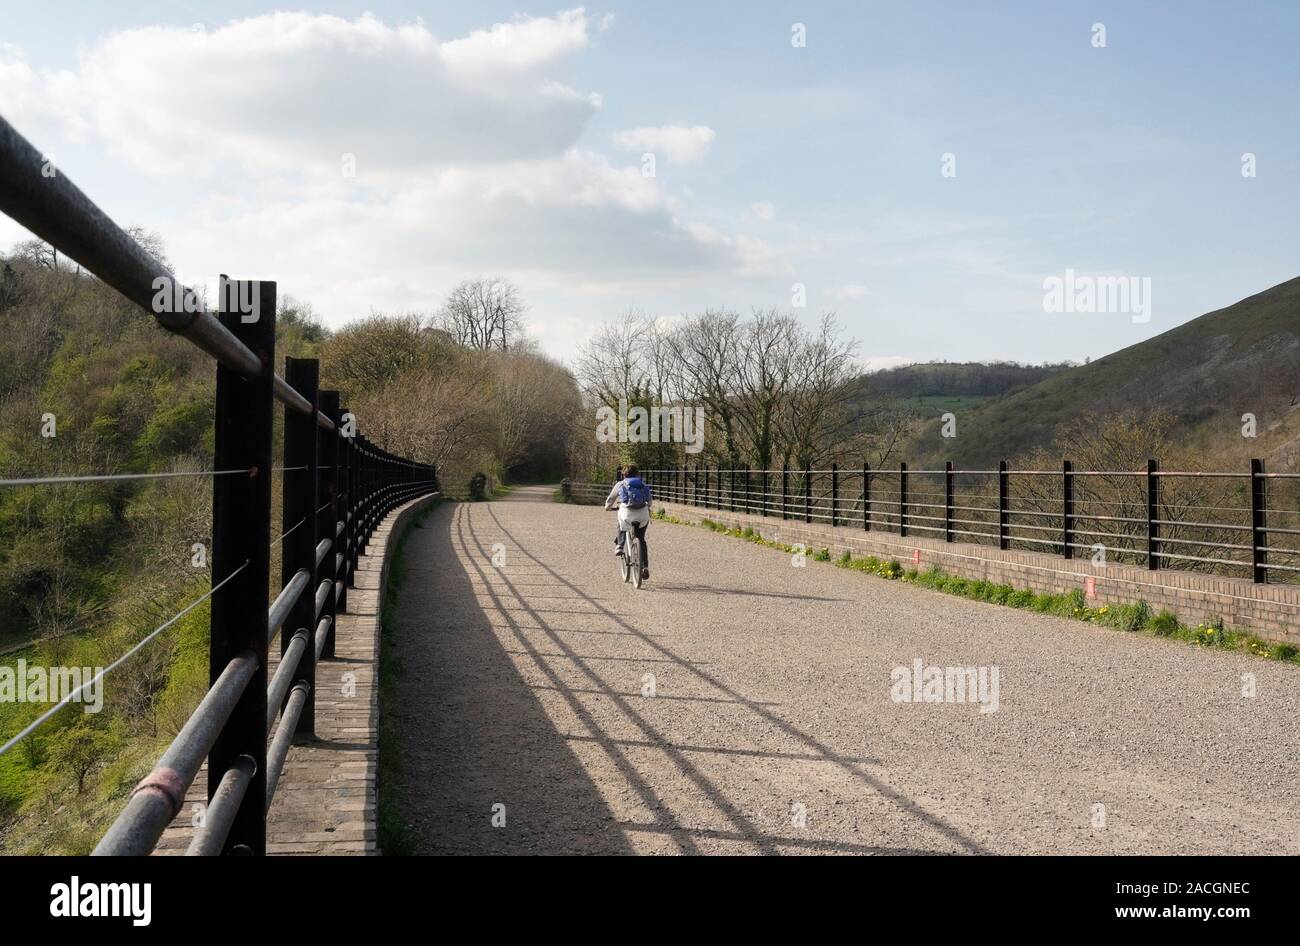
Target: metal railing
pixel 337 487
pixel 1245 524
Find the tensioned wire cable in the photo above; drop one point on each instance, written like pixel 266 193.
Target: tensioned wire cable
pixel 111 477
pixel 282 535
pixel 48 714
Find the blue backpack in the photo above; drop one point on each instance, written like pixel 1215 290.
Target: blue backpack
pixel 633 493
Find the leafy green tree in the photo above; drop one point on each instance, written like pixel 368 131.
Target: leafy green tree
pixel 79 748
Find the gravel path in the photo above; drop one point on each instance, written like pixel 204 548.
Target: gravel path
pixel 525 685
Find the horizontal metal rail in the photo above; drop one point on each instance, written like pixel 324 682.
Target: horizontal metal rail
pixel 211 833
pixel 159 796
pixel 322 595
pixel 285 601
pixel 284 676
pixel 1136 520
pixel 56 210
pixel 279 750
pixel 324 459
pixel 322 634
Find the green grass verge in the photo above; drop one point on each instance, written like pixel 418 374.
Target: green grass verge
pixel 394 834
pixel 1135 617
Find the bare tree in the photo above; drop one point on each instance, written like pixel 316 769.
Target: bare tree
pixel 483 313
pixel 374 351
pixel 37 252
pixel 11 288
pixel 536 402
pixel 615 362
pixel 706 350
pixel 1111 504
pixel 880 428
pixel 151 243
pixel 762 381
pixel 815 418
pixel 770 389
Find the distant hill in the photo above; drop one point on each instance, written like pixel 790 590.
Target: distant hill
pixel 1207 373
pixel 961 379
pixel 927 390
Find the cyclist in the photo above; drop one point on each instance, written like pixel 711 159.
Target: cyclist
pixel 618 530
pixel 631 497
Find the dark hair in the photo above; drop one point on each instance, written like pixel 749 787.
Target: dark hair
pixel 618 472
pixel 631 470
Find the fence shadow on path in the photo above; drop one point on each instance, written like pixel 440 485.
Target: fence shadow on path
pixel 468 731
pixel 816 748
pixel 480 656
pixel 697 588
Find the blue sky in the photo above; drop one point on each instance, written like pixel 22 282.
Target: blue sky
pixel 817 165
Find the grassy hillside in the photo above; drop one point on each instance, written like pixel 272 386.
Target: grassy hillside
pixel 911 395
pixel 1206 373
pixel 943 379
pixel 89 384
pixel 87 569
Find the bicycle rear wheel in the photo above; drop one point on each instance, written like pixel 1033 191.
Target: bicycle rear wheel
pixel 634 558
pixel 624 568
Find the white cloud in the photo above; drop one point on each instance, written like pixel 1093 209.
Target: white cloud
pixel 466 163
pixel 573 228
pixel 756 257
pixel 677 142
pixel 286 89
pixel 524 43
pixel 849 292
pixel 763 210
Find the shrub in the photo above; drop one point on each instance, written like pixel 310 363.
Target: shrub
pixel 1208 634
pixel 1164 624
pixel 1130 617
pixel 177 427
pixel 1043 604
pixel 80 747
pixel 1020 599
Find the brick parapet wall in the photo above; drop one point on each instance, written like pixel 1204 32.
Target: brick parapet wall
pixel 326 802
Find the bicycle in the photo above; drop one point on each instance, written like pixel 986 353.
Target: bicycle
pixel 629 563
